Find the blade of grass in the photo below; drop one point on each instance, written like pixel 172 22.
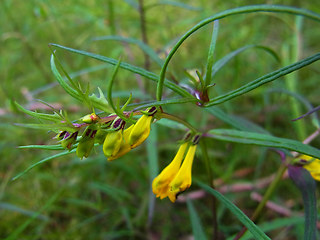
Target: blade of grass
pixel 223 61
pixel 227 13
pixel 263 80
pixel 306 184
pixel 230 12
pixel 273 225
pixel 149 75
pixel 152 152
pixel 197 230
pixel 211 52
pixel 254 229
pixel 260 139
pixel 50 117
pixel 144 47
pixel 15 234
pixel 42 161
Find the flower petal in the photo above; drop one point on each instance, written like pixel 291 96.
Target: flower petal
pixel 160 184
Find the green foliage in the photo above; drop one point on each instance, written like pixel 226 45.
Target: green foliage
pixel 258 62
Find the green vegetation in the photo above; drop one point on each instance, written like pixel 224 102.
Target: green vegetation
pixel 223 79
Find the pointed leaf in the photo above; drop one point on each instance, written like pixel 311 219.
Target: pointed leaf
pixel 306 184
pixel 260 139
pixel 254 229
pixel 263 80
pixel 43 116
pixel 197 230
pixel 149 75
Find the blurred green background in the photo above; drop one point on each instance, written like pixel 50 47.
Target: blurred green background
pixel 96 199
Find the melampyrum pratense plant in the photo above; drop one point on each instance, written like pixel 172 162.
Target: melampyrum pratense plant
pixel 119 129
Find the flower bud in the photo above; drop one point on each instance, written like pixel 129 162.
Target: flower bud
pixel 140 131
pixel 68 140
pixel 112 143
pixel 124 146
pixel 90 118
pixel 113 139
pixel 86 143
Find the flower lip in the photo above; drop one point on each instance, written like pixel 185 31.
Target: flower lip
pixel 117 123
pixel 152 110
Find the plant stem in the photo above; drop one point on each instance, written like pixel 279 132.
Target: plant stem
pixel 144 32
pixel 211 183
pixel 179 120
pixel 265 198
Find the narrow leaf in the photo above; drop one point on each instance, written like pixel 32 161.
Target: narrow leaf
pixel 100 102
pixel 149 75
pixel 47 147
pixel 18 230
pixel 211 52
pixel 229 12
pixel 263 80
pixel 197 230
pixel 223 61
pixel 42 161
pixel 236 121
pixel 254 229
pixel 144 47
pixel 43 116
pixel 306 184
pixel 72 92
pixel 50 127
pixel 260 139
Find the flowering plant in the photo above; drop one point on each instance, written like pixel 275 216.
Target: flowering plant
pixel 121 128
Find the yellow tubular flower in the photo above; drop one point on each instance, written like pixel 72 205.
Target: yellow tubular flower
pixel 124 146
pixel 312 165
pixel 182 180
pixel 160 184
pixel 112 143
pixel 140 131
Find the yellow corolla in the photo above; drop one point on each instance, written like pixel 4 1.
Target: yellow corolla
pixel 140 131
pixel 112 143
pixel 160 184
pixel 124 146
pixel 175 179
pixel 183 179
pixel 312 165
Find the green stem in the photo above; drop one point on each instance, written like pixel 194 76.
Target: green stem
pixel 179 120
pixel 265 198
pixel 207 161
pixel 230 12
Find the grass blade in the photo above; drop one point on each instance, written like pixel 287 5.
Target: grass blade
pixel 223 61
pixel 196 225
pixel 211 52
pixel 129 67
pixel 227 13
pixel 254 229
pixel 42 161
pixel 14 235
pixel 306 184
pixel 144 47
pixel 260 139
pixel 263 80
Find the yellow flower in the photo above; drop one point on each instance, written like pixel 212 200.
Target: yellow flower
pixel 312 165
pixel 175 179
pixel 112 143
pixel 124 146
pixel 183 180
pixel 140 131
pixel 160 184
